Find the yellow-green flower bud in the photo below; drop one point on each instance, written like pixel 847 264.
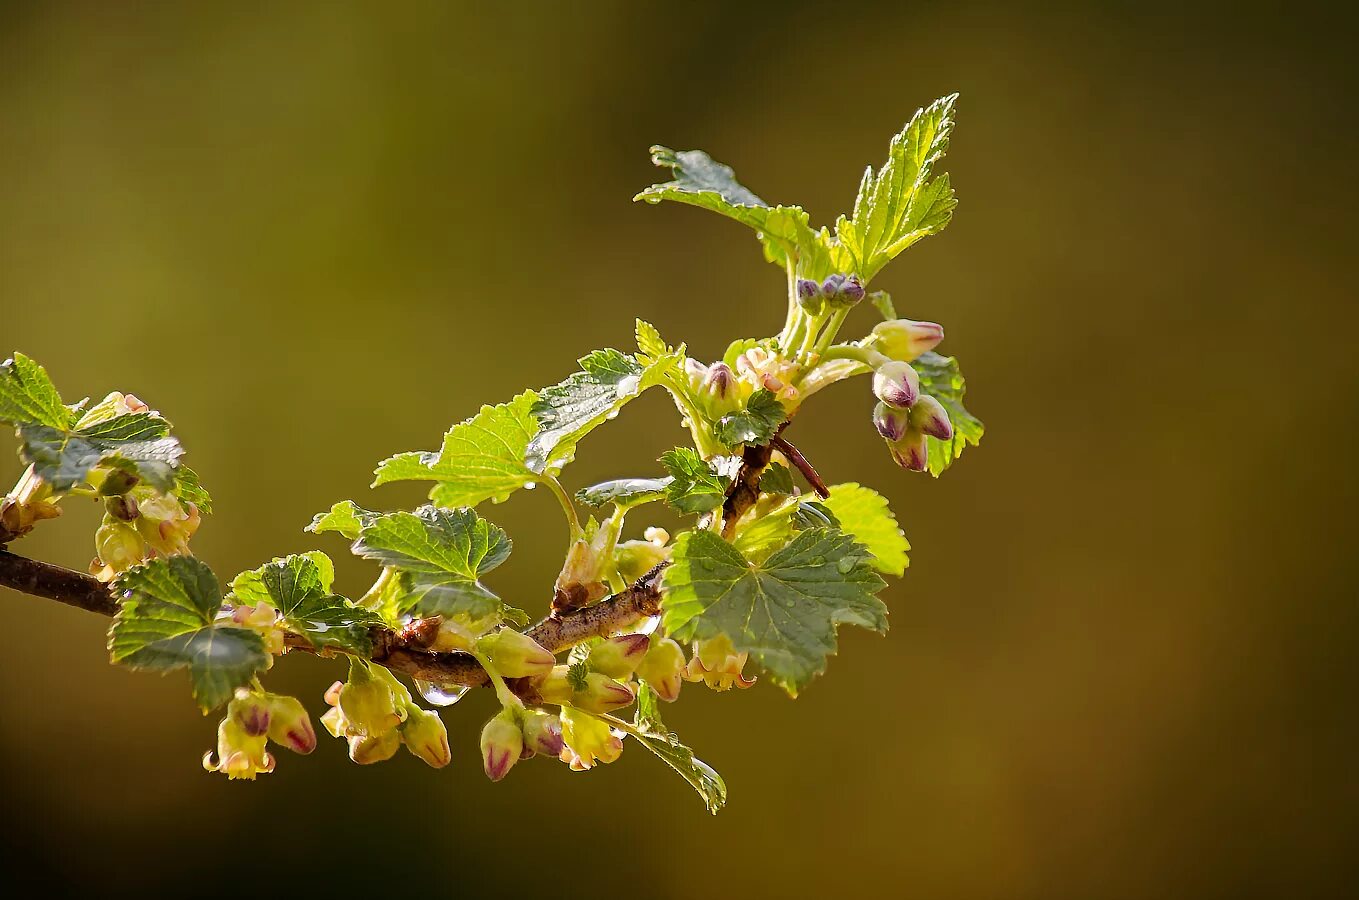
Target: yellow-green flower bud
pixel 619 656
pixel 373 748
pixel 289 724
pixel 424 734
pixel 662 668
pixel 588 740
pixel 502 743
pixel 906 340
pixel 516 655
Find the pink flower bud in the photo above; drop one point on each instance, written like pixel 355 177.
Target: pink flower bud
pixel 662 668
pixel 896 384
pixel 619 656
pixel 890 421
pixel 928 415
pixel 289 724
pixel 906 340
pixel 502 743
pixel 516 655
pixel 425 736
pixel 542 733
pixel 602 694
pixel 912 451
pixel 719 380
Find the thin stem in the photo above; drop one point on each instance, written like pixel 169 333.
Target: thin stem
pixel 866 355
pixel 572 520
pixel 831 329
pixel 502 690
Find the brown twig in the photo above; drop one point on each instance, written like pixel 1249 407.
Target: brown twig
pixel 397 651
pixel 800 462
pixel 745 487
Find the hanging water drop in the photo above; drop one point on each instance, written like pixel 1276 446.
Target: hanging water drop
pixel 440 694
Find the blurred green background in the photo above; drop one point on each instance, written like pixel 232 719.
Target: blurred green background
pixel 315 234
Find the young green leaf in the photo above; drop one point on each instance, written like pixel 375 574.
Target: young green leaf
pixel 651 347
pixel 776 479
pixel 623 492
pixel 190 490
pixel 882 302
pixel 167 621
pixel 941 378
pixel 863 513
pixel 137 441
pixel 28 396
pixel 756 424
pixel 651 733
pixel 903 202
pixel 814 514
pixel 298 586
pixel 568 411
pixel 481 459
pixel 784 611
pixel 440 555
pixel 346 517
pixel 695 486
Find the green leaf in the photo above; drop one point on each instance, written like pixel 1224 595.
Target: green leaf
pixel 28 396
pixel 785 231
pixel 568 411
pixel 758 538
pixel 138 441
pixel 298 586
pixel 776 479
pixel 784 611
pixel 651 347
pixel 695 486
pixel 481 459
pixel 863 513
pixel 941 378
pixel 882 302
pixel 189 489
pixel 623 492
pixel 345 517
pixel 903 202
pixel 756 424
pixel 440 555
pixel 814 514
pixel 651 733
pixel 166 622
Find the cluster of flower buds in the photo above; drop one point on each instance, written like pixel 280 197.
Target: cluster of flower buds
pixel 517 733
pixel 263 619
pixel 584 577
pixel 29 503
pixel 252 719
pixel 760 367
pixel 139 524
pixel 716 663
pixel 376 714
pixel 587 740
pixel 836 290
pixel 905 417
pixel 633 559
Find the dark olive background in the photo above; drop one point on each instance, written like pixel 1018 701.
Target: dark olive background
pixel 314 234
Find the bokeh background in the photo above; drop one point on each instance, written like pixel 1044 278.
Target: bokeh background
pixel 315 234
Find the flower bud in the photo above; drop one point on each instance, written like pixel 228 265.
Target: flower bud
pixel 581 581
pixel 261 618
pixel 928 415
pixel 119 546
pixel 695 370
pixel 890 421
pixel 366 749
pixel 809 296
pixel 716 663
pixel 516 655
pixel 633 559
pixel 555 687
pixel 906 340
pixel 662 668
pixel 656 535
pixel 719 380
pixel 502 743
pixel 117 482
pixel 460 632
pixel 121 507
pixel 334 722
pixel 250 711
pixel 832 285
pixel 896 384
pixel 367 703
pixel 852 291
pixel 239 755
pixel 587 740
pixel 424 734
pixel 619 656
pixel 602 694
pixel 542 733
pixel 911 451
pixel 289 724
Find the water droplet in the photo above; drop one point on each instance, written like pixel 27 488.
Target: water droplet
pixel 628 385
pixel 440 694
pixel 613 414
pixel 530 485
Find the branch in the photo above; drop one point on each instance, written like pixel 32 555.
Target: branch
pixel 800 463
pixel 400 651
pixel 745 487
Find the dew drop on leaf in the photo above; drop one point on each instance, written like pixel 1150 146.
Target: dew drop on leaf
pixel 530 485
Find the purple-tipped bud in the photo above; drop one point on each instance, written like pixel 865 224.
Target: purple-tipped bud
pixel 289 724
pixel 890 421
pixel 251 712
pixel 424 735
pixel 662 669
pixel 542 733
pixel 928 415
pixel 602 694
pixel 807 290
pixel 905 339
pixel 896 384
pixel 619 656
pixel 911 452
pixel 852 291
pixel 516 655
pixel 719 379
pixel 502 743
pixel 832 285
pixel 695 369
